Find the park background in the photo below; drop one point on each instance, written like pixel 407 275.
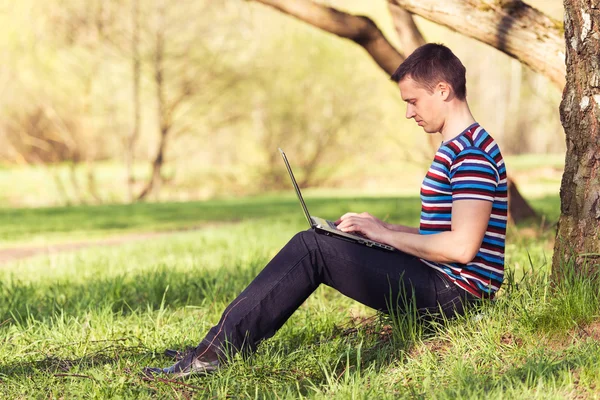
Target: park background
pixel 237 80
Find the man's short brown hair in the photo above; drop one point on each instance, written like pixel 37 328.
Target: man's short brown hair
pixel 431 64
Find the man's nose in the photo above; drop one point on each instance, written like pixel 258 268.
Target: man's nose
pixel 409 111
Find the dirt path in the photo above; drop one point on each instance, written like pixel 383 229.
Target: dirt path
pixel 18 253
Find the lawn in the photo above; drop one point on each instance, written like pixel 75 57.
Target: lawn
pixel 83 324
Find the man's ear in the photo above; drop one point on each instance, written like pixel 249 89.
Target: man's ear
pixel 444 90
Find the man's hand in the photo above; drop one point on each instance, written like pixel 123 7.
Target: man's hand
pixel 370 226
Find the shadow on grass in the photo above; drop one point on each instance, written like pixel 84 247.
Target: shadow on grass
pixel 51 364
pixel 360 347
pixel 535 370
pixel 122 294
pixel 45 302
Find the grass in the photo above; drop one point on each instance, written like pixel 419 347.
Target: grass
pixel 83 324
pixel 41 226
pixel 24 226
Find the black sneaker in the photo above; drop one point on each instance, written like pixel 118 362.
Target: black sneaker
pixel 198 361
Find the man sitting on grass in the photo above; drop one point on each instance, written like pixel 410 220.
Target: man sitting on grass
pixel 455 257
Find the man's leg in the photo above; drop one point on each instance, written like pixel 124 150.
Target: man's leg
pixel 371 276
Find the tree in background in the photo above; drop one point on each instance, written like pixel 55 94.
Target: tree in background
pixel 101 74
pixel 51 126
pixel 188 73
pixel 136 72
pixel 316 114
pixel 578 238
pixel 89 81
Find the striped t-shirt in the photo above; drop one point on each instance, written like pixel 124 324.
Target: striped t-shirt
pixel 469 166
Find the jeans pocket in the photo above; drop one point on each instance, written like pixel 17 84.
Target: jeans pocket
pixel 451 300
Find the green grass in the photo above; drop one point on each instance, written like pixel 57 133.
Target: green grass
pixel 83 324
pixel 40 226
pixel 30 225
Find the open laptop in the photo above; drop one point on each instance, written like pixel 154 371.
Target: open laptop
pixel 328 227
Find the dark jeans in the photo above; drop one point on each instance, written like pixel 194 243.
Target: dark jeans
pixel 371 276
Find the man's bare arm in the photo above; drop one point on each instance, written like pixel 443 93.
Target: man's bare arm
pixel 401 228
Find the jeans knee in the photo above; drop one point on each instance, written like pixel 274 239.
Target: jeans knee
pixel 307 238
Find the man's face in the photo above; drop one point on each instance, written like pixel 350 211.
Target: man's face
pixel 426 108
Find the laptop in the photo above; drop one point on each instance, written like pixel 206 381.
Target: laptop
pixel 326 227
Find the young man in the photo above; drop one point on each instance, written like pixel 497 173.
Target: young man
pixel 454 257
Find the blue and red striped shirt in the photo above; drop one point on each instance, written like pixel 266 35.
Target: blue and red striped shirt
pixel 470 166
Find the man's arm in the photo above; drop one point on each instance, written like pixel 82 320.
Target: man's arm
pixel 469 222
pixel 401 228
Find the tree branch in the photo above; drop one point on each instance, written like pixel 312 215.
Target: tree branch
pixel 510 26
pixel 359 29
pixel 410 36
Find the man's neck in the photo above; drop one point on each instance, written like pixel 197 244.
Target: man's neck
pixel 459 118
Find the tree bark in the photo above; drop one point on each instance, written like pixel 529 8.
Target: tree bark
pixel 510 26
pixel 578 238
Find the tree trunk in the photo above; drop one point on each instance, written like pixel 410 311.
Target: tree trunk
pixel 136 69
pixel 410 36
pixel 578 238
pixel 162 112
pixel 519 209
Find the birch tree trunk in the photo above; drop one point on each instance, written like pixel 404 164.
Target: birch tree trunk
pixel 578 238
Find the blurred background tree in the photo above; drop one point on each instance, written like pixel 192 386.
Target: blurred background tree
pixel 191 78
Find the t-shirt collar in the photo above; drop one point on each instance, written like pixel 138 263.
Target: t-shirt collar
pixel 474 124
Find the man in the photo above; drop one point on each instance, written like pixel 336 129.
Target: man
pixel 456 255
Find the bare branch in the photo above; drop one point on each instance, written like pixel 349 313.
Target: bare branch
pixel 410 36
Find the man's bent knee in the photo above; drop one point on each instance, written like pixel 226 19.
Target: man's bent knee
pixel 308 238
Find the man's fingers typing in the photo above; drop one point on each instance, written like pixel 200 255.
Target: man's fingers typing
pixel 345 216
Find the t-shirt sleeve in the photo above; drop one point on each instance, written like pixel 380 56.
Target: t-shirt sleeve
pixel 473 176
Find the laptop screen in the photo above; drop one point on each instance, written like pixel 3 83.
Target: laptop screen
pixel 302 203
